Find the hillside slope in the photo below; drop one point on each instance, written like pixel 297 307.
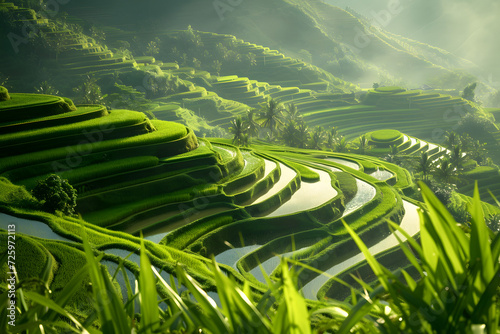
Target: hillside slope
pixel 345 45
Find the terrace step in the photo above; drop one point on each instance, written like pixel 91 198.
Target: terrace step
pixel 23 107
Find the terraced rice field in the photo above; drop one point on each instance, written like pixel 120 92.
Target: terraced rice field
pixel 417 113
pixel 194 198
pixel 203 195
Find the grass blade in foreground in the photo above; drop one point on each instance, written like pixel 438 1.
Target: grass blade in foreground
pixel 460 285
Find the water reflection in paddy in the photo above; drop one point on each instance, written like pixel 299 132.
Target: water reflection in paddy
pixel 287 175
pixel 344 162
pixel 382 175
pixel 270 264
pixel 308 196
pixel 410 223
pixel 231 256
pixel 30 227
pixel 365 193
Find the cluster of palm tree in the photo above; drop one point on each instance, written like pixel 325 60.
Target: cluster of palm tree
pixel 283 124
pixel 446 169
pixel 461 149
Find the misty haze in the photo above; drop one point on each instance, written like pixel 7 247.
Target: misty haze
pixel 249 166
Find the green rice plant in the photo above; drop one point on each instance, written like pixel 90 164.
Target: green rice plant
pixel 281 310
pixel 115 120
pixel 95 171
pixel 26 106
pixel 36 312
pixel 459 272
pixel 167 132
pixel 83 113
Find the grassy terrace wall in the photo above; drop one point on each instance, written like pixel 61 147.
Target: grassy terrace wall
pixel 170 139
pixel 27 106
pixel 83 113
pixel 201 191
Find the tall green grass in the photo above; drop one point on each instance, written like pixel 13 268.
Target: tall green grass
pixel 457 292
pixel 459 271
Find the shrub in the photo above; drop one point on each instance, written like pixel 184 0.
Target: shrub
pixel 56 194
pixel 4 94
pixel 475 125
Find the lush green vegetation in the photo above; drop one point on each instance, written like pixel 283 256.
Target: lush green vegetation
pixel 466 293
pixel 279 170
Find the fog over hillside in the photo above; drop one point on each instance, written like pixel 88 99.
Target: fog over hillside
pixel 468 29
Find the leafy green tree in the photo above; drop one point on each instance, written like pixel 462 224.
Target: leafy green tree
pixel 56 194
pixel 469 92
pixel 152 49
pixel 196 63
pixel 272 115
pixel 89 92
pixel 474 149
pixel 217 67
pixel 97 34
pixel 475 125
pixel 251 59
pixel 46 88
pixel 3 80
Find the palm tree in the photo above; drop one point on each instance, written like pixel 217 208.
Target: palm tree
pixel 245 140
pixel 272 115
pixel 238 130
pixel 391 157
pixel 451 139
pixel 289 134
pixel 292 113
pixel 445 170
pixel 251 124
pixel 303 135
pixel 457 158
pixel 424 165
pixel 317 138
pixel 332 138
pixel 341 145
pixel 363 145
